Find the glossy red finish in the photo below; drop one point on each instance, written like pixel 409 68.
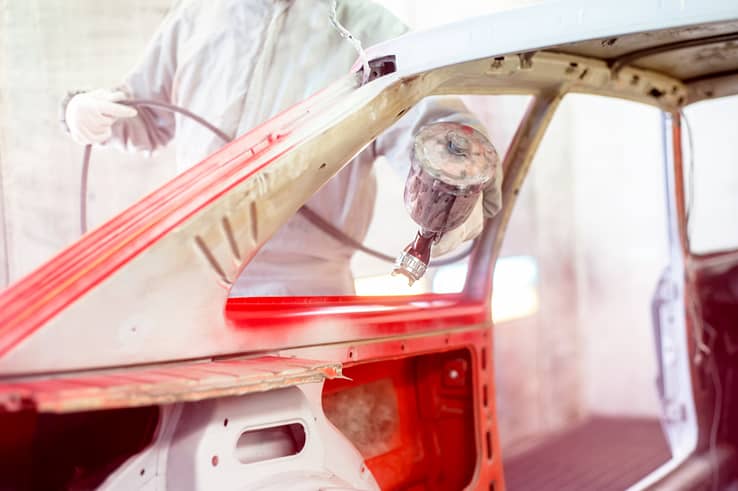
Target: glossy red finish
pixel 375 315
pixel 285 323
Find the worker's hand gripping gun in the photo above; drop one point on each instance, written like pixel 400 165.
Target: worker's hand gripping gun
pixel 450 165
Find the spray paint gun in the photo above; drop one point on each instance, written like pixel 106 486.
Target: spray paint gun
pixel 450 165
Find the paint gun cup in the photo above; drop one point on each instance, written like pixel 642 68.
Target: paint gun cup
pixel 450 165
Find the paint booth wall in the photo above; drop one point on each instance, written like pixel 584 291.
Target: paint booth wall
pixel 46 49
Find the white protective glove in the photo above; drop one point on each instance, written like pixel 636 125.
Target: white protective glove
pixel 466 231
pixel 90 115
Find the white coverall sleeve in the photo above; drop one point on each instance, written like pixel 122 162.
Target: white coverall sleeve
pixel 152 79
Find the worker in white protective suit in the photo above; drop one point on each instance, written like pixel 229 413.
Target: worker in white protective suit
pixel 237 63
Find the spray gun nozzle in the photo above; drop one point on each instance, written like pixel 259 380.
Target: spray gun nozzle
pixel 413 262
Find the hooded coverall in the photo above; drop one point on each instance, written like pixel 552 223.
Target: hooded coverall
pixel 237 63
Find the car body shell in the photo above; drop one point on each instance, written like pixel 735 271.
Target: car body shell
pixel 150 287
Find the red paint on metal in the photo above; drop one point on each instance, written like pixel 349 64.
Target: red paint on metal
pixel 455 373
pixel 382 327
pixel 428 435
pixel 401 463
pixel 285 323
pixel 384 313
pixel 28 304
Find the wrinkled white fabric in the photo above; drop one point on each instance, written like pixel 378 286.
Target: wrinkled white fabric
pixel 90 115
pixel 239 62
